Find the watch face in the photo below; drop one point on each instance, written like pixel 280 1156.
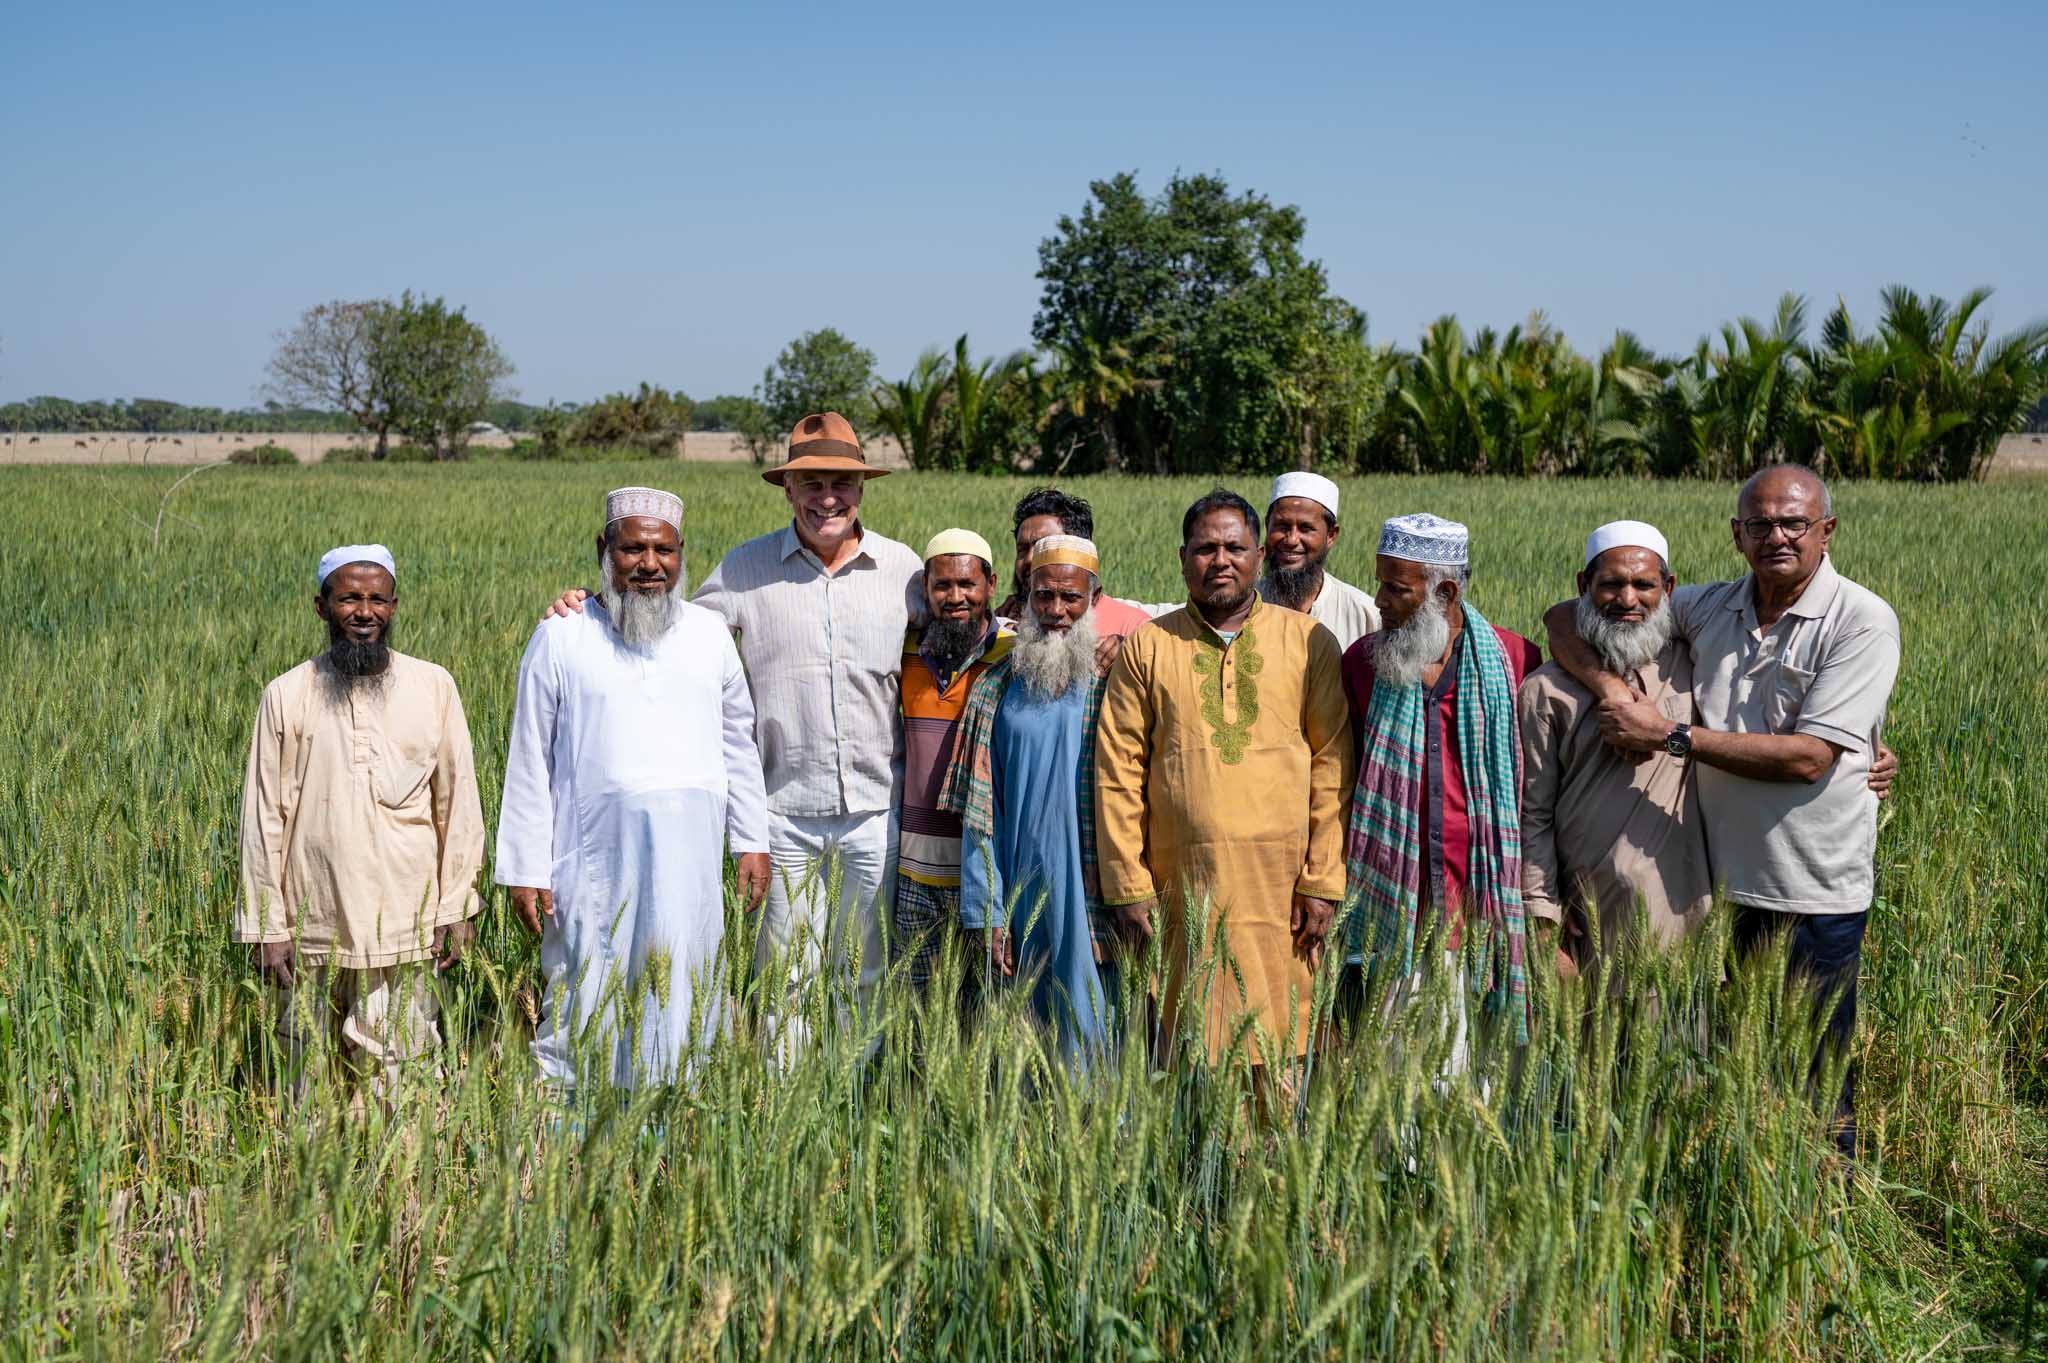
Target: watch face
pixel 1679 741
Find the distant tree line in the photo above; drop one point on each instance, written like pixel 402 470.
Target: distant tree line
pixel 1186 332
pixel 157 415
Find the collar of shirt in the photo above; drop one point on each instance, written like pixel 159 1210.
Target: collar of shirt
pixel 1448 678
pixel 945 679
pixel 1819 594
pixel 792 543
pixel 1195 612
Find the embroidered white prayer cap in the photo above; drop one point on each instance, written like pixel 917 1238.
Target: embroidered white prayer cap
pixel 1072 549
pixel 1313 486
pixel 643 501
pixel 1423 538
pixel 957 541
pixel 355 553
pixel 1631 534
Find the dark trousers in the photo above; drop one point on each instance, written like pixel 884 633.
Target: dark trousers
pixel 1824 952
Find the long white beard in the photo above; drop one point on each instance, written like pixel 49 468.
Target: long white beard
pixel 1624 647
pixel 1049 663
pixel 640 618
pixel 1402 654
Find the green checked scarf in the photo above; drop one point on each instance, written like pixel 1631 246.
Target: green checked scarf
pixel 1384 863
pixel 969 787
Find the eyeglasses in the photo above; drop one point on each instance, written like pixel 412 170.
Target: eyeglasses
pixel 1760 527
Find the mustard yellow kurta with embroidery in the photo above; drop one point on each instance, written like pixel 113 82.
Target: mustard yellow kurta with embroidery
pixel 1221 776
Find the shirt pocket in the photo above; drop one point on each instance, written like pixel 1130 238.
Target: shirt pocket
pixel 1786 696
pixel 401 780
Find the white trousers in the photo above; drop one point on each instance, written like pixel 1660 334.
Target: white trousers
pixel 816 932
pixel 383 1021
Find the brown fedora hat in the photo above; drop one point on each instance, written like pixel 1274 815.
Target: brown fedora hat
pixel 823 443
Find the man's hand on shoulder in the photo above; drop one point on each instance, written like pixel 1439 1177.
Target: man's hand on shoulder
pixel 1106 649
pixel 567 604
pixel 1633 725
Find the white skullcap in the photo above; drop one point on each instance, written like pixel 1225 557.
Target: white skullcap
pixel 1313 486
pixel 1423 538
pixel 1072 549
pixel 1633 534
pixel 355 553
pixel 957 541
pixel 644 501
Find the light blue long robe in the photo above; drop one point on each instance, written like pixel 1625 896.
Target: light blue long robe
pixel 1036 855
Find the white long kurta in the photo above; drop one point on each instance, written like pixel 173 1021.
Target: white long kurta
pixel 628 771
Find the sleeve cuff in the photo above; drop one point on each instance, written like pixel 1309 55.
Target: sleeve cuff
pixel 1333 891
pixel 1841 738
pixel 510 878
pixel 1114 900
pixel 1544 910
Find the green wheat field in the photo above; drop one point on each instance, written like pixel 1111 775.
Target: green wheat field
pixel 1643 1183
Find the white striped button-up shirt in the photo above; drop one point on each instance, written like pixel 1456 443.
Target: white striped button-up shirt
pixel 824 656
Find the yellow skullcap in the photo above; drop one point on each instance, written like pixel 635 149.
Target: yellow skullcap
pixel 1066 549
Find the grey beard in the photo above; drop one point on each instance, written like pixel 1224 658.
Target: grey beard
pixel 1624 647
pixel 950 641
pixel 1048 663
pixel 1294 587
pixel 1401 655
pixel 639 619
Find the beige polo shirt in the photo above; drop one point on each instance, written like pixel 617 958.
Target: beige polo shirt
pixel 1826 668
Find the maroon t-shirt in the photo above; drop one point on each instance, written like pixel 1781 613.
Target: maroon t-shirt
pixel 1441 813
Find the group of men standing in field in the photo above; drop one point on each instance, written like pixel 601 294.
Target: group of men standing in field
pixel 1283 767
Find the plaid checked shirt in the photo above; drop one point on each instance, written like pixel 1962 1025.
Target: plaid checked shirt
pixel 969 789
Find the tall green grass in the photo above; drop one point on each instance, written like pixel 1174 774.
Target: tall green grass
pixel 1620 1191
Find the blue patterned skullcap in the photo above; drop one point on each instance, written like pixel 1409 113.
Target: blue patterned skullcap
pixel 1423 538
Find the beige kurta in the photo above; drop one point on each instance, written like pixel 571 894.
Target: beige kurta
pixel 361 827
pixel 1598 828
pixel 1221 772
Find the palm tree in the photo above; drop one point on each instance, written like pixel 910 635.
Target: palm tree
pixel 1437 401
pixel 1622 389
pixel 977 389
pixel 1972 390
pixel 1093 377
pixel 912 410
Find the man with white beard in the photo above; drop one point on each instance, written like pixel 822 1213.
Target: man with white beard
pixel 1435 832
pixel 1022 781
pixel 632 762
pixel 1601 833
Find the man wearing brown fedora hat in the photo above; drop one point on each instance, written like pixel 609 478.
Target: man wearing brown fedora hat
pixel 819 609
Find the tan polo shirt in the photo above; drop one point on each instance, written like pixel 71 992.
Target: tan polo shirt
pixel 1826 668
pixel 1599 829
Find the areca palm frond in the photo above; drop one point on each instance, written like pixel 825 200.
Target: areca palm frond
pixel 911 409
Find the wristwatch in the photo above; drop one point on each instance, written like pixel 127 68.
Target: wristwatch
pixel 1679 741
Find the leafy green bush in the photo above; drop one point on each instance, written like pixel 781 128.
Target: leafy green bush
pixel 652 420
pixel 264 454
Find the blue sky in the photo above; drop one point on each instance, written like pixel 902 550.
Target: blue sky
pixel 667 193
